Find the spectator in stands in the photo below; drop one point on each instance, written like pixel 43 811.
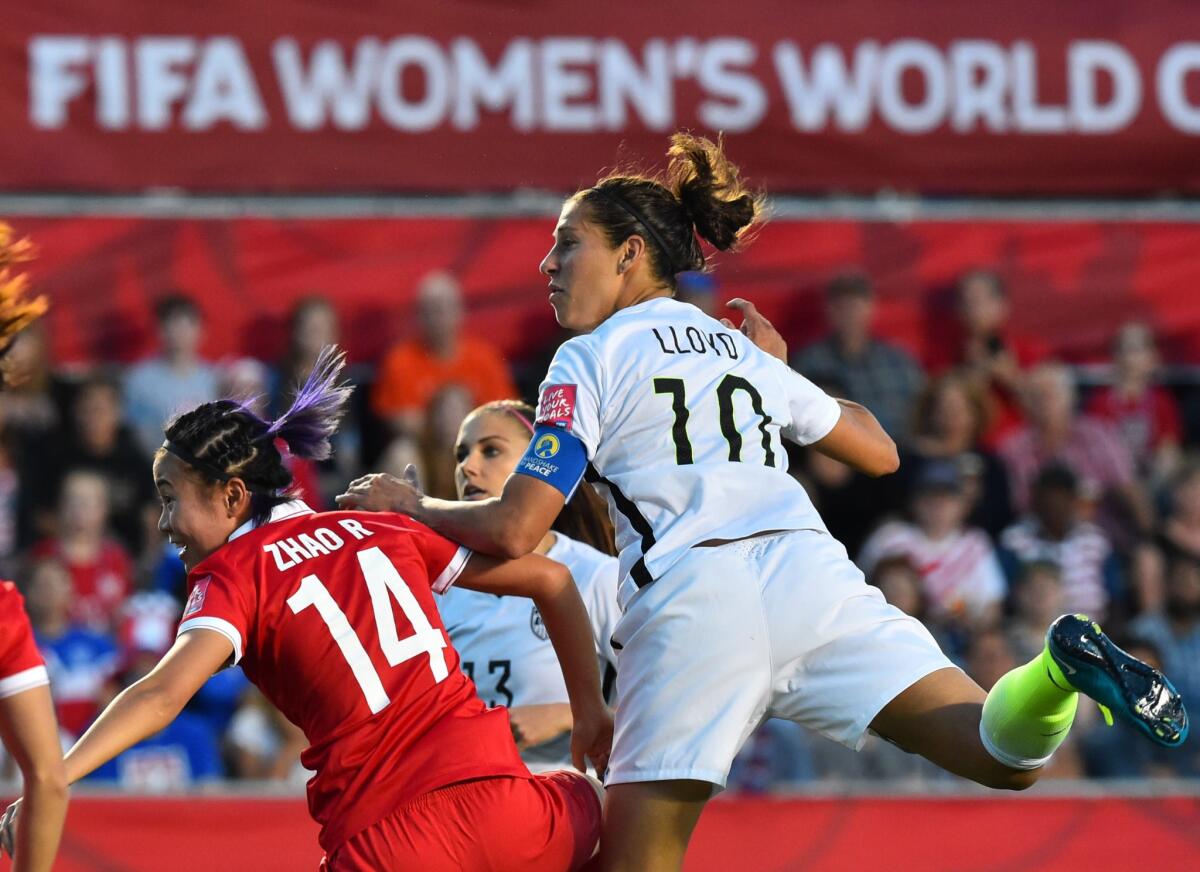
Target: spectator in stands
pixel 80 660
pixel 101 571
pixel 1037 596
pixel 1180 532
pixel 98 440
pixel 989 351
pixel 951 418
pixel 875 373
pixel 1088 447
pixel 448 408
pixel 10 497
pixel 1145 414
pixel 413 371
pixel 36 401
pixel 900 582
pixel 1175 631
pixel 177 377
pixel 313 325
pixel 960 575
pixel 1055 532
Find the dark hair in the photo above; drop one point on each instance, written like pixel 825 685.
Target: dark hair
pixel 584 518
pixel 225 439
pixel 175 304
pixel 1056 476
pixel 700 193
pixel 850 283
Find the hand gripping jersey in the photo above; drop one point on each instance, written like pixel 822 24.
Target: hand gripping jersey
pixel 332 616
pixel 506 651
pixel 21 666
pixel 680 423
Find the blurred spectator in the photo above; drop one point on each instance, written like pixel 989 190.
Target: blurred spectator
pixel 1147 587
pixel 1054 532
pixel 775 756
pixel 10 496
pixel 876 374
pixel 413 371
pixel 951 418
pixel 99 441
pixel 36 399
pixel 1181 529
pixel 851 504
pixel 1145 415
pixel 990 352
pixel 1175 632
pixel 101 571
pixel 447 409
pixel 699 289
pixel 960 575
pixel 1088 447
pixel 81 661
pixel 899 580
pixel 1037 597
pixel 185 754
pixel 263 744
pixel 314 325
pixel 177 378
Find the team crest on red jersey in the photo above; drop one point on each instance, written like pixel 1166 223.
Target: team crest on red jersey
pixel 557 407
pixel 196 599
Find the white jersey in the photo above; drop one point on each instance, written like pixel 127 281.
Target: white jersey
pixel 682 420
pixel 504 647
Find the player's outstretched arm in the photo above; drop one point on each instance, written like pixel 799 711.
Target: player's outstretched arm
pixel 30 732
pixel 859 441
pixel 550 586
pixel 148 705
pixel 510 525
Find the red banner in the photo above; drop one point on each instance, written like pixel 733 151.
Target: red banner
pixel 312 95
pixel 198 834
pixel 1071 283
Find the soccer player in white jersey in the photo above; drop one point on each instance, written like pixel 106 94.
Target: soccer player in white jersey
pixel 737 603
pixel 501 640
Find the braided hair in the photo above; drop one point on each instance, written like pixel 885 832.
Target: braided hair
pixel 226 439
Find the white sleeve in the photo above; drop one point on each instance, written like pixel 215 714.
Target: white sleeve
pixel 570 396
pixel 814 412
pixel 600 597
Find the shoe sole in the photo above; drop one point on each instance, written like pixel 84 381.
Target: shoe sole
pixel 1134 690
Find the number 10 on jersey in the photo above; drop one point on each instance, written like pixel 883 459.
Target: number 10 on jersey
pixel 383 582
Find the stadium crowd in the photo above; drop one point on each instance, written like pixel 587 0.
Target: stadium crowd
pixel 1020 497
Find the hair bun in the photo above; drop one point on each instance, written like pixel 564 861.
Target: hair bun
pixel 708 187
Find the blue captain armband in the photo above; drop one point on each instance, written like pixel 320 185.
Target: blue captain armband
pixel 556 457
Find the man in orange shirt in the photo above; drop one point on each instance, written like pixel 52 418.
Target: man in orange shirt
pixel 413 371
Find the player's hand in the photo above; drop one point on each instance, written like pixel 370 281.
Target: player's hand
pixel 535 724
pixel 757 329
pixel 592 737
pixel 381 492
pixel 8 828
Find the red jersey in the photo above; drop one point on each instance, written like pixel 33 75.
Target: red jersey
pixel 21 666
pixel 1145 422
pixel 332 616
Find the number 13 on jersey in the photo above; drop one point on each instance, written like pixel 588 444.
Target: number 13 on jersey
pixel 383 582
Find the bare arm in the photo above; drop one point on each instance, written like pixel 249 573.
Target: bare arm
pixel 145 707
pixel 510 525
pixel 30 732
pixel 550 586
pixel 859 441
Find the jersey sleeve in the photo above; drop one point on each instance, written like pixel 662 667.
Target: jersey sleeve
pixel 569 398
pixel 223 602
pixel 21 666
pixel 444 559
pixel 814 412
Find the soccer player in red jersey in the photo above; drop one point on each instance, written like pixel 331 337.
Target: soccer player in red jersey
pixel 27 723
pixel 332 616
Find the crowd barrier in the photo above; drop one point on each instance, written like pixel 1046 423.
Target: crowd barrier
pixel 997 833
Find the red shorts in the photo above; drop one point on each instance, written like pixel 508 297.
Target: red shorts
pixel 546 823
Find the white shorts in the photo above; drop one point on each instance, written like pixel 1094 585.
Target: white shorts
pixel 775 626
